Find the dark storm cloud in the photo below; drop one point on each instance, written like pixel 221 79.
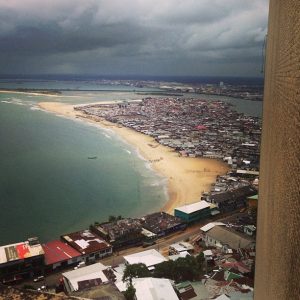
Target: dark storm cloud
pixel 191 37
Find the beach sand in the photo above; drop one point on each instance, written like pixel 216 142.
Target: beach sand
pixel 187 177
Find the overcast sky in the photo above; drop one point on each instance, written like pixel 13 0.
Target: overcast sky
pixel 147 37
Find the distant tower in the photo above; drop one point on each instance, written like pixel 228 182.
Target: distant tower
pixel 277 275
pixel 221 84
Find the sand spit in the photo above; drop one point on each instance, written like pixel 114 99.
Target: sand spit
pixel 187 177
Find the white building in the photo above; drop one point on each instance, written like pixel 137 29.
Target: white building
pixel 154 289
pixel 91 275
pixel 149 257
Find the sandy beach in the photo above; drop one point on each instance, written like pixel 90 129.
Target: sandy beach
pixel 187 177
pixel 28 93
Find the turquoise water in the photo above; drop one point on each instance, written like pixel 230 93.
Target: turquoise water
pixel 49 187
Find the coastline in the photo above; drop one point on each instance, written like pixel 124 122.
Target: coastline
pixel 27 93
pixel 187 177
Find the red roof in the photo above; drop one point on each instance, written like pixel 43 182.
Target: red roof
pixel 201 127
pixel 57 251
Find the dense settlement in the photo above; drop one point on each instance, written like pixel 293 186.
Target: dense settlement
pixel 193 128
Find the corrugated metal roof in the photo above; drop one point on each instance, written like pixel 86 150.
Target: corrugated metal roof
pixel 18 251
pixel 57 251
pixel 211 225
pixel 149 258
pixel 86 273
pixel 154 289
pixel 190 208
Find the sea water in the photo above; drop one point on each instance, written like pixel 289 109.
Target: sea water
pixel 48 184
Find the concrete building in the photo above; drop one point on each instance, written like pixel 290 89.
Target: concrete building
pixel 193 212
pixel 85 277
pixel 278 236
pixel 149 257
pixel 21 260
pixel 153 289
pixel 222 237
pixel 90 245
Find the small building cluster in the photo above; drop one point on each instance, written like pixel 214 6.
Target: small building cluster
pixel 31 259
pixel 226 272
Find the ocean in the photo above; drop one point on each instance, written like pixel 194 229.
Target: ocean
pixel 48 184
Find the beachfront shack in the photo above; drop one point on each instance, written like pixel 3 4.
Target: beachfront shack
pixel 21 260
pixel 120 233
pixel 90 245
pixel 232 199
pixel 193 212
pixel 161 223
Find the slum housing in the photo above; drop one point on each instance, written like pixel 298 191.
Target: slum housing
pixel 193 127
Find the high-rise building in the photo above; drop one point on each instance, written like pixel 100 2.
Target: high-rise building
pixel 278 238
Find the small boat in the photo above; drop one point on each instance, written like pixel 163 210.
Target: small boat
pixel 92 157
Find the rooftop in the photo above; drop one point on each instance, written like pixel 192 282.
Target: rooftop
pixel 154 289
pixel 85 242
pixel 85 274
pixel 191 208
pixel 149 258
pixel 121 228
pixel 255 197
pixel 231 238
pixel 20 250
pixel 210 226
pixel 57 251
pixel 160 221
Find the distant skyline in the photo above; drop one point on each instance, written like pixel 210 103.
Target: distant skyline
pixel 125 37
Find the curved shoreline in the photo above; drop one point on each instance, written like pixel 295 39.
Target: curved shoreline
pixel 187 177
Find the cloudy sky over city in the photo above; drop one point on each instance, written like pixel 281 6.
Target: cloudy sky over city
pixel 146 37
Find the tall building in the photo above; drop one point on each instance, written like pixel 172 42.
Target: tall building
pixel 278 239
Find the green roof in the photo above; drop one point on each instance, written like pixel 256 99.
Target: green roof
pixel 183 284
pixel 255 197
pixel 232 275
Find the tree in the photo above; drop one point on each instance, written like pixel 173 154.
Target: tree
pixel 165 270
pixel 130 292
pixel 136 270
pixel 112 219
pixel 187 268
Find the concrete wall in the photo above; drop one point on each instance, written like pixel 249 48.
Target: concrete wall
pixel 278 239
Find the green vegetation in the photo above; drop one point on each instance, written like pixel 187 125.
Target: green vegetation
pixel 136 270
pixel 182 269
pixel 130 292
pixel 188 268
pixel 114 218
